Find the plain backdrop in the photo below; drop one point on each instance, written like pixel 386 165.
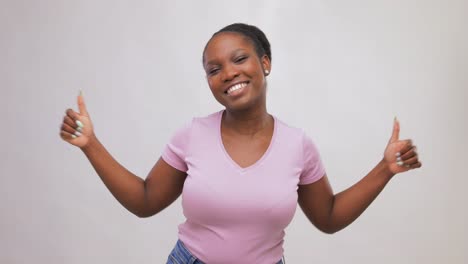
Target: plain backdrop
pixel 341 70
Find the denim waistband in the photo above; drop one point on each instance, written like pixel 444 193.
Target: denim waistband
pixel 181 255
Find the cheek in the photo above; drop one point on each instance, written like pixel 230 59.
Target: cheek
pixel 210 83
pixel 257 75
pixel 255 69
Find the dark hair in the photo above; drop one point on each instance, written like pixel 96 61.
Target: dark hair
pixel 252 33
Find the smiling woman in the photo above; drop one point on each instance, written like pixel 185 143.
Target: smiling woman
pixel 236 65
pixel 241 171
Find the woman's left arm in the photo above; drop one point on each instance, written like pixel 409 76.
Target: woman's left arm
pixel 331 213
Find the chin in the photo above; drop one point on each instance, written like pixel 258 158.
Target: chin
pixel 240 106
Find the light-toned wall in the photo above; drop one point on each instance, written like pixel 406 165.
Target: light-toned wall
pixel 341 69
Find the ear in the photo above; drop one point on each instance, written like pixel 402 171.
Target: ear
pixel 266 64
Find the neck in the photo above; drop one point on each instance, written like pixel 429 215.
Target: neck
pixel 247 122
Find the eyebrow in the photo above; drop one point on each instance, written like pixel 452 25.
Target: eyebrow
pixel 213 62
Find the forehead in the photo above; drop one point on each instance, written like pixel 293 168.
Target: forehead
pixel 223 44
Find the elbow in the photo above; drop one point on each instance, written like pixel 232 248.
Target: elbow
pixel 328 231
pixel 146 212
pixel 142 213
pixel 328 228
pixel 143 210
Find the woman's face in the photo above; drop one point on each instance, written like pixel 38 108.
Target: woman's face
pixel 235 73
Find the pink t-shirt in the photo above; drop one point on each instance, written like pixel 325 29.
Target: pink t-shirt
pixel 235 214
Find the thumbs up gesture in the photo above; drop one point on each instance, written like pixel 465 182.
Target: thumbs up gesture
pixel 77 128
pixel 400 155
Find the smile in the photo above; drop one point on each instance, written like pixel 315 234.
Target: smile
pixel 236 87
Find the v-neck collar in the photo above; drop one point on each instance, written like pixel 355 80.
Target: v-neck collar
pixel 229 158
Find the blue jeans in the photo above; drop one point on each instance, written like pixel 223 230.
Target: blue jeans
pixel 181 255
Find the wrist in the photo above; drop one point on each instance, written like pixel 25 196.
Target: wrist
pixel 384 168
pixel 92 143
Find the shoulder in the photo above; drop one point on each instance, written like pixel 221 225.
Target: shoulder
pixel 286 130
pixel 295 136
pixel 197 125
pixel 211 119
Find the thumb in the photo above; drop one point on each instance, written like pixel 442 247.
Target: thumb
pixel 396 131
pixel 82 105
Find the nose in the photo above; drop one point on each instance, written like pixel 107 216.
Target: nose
pixel 229 73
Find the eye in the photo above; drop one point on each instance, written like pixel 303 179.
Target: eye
pixel 213 71
pixel 240 59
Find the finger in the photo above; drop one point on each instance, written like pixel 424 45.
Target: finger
pixel 72 130
pixel 411 161
pixel 409 154
pixel 396 131
pixel 67 120
pixel 67 128
pixel 67 136
pixel 416 165
pixel 75 117
pixel 404 146
pixel 82 105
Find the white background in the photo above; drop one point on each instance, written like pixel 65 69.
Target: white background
pixel 341 70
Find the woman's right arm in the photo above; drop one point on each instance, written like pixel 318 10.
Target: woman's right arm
pixel 143 198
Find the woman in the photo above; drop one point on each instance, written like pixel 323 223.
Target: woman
pixel 241 171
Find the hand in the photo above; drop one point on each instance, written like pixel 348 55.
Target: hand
pixel 77 128
pixel 400 155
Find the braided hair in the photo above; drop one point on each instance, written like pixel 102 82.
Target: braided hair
pixel 252 33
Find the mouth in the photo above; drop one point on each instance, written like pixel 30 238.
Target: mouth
pixel 236 87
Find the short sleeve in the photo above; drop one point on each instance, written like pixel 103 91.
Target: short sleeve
pixel 175 151
pixel 313 168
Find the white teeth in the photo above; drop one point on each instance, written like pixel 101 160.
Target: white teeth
pixel 236 87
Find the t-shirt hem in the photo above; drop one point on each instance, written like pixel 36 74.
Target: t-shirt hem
pixel 173 163
pixel 315 179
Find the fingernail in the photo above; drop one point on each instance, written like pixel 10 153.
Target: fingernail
pixel 80 93
pixel 79 129
pixel 398 154
pixel 77 133
pixel 78 123
pixel 73 136
pixel 399 163
pixel 398 158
